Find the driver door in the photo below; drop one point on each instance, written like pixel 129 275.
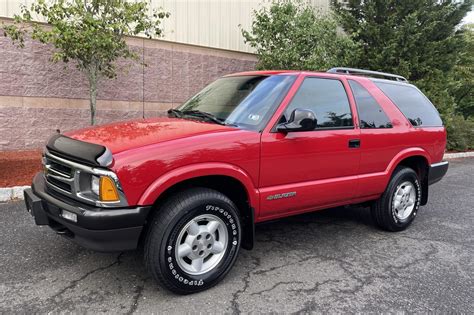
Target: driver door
pixel 306 170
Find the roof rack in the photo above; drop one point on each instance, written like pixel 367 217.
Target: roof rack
pixel 390 76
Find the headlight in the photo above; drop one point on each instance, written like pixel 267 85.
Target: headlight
pixel 104 187
pixel 95 181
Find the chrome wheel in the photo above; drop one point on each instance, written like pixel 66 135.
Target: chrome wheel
pixel 404 200
pixel 201 244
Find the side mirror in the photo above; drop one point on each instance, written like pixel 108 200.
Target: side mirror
pixel 300 120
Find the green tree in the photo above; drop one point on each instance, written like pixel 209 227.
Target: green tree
pixel 291 35
pixel 412 38
pixel 460 125
pixel 420 40
pixel 90 33
pixel 463 74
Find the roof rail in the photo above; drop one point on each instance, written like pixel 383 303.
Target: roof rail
pixel 390 76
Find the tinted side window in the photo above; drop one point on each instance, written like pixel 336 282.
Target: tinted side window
pixel 412 103
pixel 371 115
pixel 327 98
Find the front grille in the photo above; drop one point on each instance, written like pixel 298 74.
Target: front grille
pixel 61 169
pixel 59 176
pixel 73 180
pixel 58 183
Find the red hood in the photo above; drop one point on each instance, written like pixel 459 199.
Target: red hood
pixel 128 135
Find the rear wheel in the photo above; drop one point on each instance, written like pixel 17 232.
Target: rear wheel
pixel 398 206
pixel 193 241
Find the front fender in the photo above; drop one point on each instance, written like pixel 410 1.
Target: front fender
pixel 181 174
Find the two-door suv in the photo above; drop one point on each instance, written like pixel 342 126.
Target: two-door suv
pixel 248 148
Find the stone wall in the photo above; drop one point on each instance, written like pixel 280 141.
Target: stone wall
pixel 37 96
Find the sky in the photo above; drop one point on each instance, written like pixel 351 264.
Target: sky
pixel 469 18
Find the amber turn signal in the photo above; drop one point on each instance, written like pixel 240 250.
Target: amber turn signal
pixel 108 190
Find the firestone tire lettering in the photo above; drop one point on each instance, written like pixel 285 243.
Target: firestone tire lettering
pixel 170 220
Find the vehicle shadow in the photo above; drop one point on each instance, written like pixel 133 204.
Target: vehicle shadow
pixel 349 216
pixel 322 227
pixel 303 227
pixel 278 243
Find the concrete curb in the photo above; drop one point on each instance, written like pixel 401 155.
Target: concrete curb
pixel 12 193
pixel 450 156
pixel 16 192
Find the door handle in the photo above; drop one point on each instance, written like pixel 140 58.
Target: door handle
pixel 354 143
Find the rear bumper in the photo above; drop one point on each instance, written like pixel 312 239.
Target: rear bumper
pixel 437 171
pixel 98 229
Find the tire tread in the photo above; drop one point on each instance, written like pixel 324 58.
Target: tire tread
pixel 164 214
pixel 379 210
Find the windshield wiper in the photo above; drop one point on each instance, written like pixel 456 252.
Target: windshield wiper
pixel 175 112
pixel 197 113
pixel 211 117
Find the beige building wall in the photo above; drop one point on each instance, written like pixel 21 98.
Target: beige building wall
pixel 38 96
pixel 210 23
pixel 202 42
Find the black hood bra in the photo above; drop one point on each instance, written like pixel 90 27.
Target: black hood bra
pixel 79 151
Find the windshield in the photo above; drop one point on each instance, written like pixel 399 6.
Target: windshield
pixel 243 101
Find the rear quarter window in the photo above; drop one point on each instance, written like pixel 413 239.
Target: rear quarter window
pixel 412 103
pixel 371 115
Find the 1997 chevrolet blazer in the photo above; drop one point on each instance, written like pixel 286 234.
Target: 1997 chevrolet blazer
pixel 249 147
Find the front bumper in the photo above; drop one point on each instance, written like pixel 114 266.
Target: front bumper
pixel 437 171
pixel 98 229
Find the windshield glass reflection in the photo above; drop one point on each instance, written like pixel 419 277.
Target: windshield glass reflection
pixel 243 101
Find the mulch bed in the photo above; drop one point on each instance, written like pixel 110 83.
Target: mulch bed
pixel 17 168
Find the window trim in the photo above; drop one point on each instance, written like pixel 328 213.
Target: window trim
pixel 357 106
pixel 274 128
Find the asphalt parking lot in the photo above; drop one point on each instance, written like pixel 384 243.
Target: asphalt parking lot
pixel 330 261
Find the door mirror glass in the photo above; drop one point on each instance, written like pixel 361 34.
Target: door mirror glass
pixel 300 120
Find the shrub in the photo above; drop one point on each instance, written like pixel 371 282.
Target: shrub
pixel 291 35
pixel 460 133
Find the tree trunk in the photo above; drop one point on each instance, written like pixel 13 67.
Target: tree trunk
pixel 93 93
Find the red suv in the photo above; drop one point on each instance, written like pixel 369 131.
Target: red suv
pixel 248 148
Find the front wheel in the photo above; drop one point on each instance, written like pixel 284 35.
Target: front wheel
pixel 193 240
pixel 397 207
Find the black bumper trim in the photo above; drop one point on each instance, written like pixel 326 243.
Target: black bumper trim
pixel 437 172
pixel 96 228
pixel 101 240
pixel 89 217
